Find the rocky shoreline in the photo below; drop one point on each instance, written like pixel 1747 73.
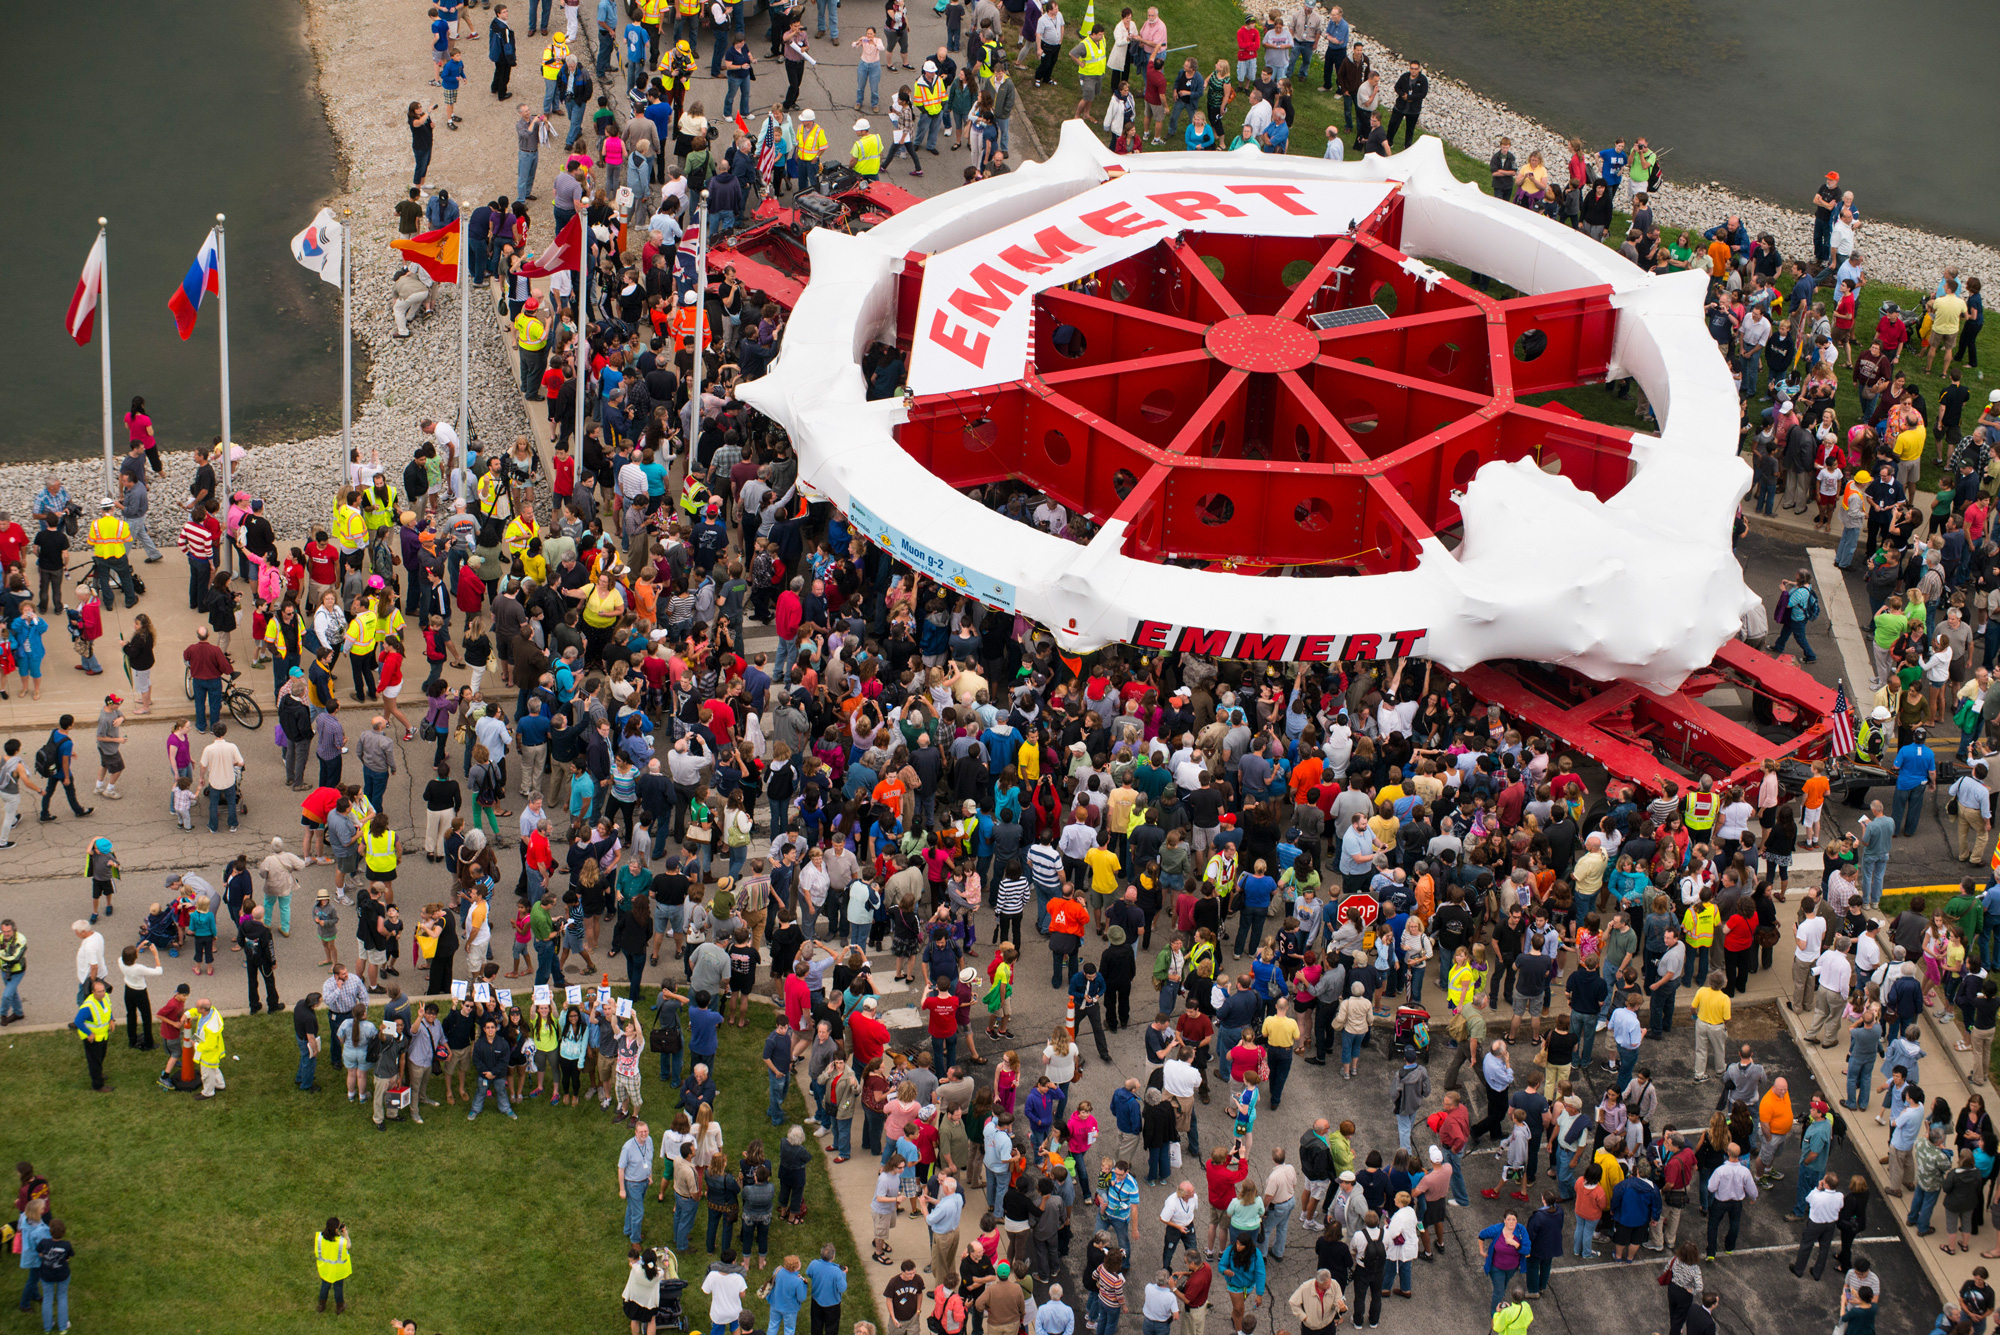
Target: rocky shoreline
pixel 1474 124
pixel 365 65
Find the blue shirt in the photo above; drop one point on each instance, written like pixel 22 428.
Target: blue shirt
pixel 441 30
pixel 1120 1198
pixel 1338 32
pixel 1055 1318
pixel 1275 136
pixel 1199 137
pixel 533 730
pixel 1614 160
pixel 828 1283
pixel 789 1290
pixel 450 76
pixel 1903 1135
pixel 1257 892
pixel 637 47
pixel 1915 766
pixel 1625 1028
pixel 704 1023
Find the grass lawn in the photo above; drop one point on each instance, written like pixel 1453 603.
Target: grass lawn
pixel 1211 26
pixel 198 1218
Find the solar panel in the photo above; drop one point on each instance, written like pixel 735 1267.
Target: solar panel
pixel 1341 319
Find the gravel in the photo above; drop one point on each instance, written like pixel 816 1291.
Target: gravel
pixel 1903 256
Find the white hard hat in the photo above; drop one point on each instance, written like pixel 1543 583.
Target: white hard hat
pixel 807 115
pixel 860 125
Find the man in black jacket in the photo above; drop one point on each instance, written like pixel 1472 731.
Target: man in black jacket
pixel 1411 90
pixel 489 1070
pixel 259 960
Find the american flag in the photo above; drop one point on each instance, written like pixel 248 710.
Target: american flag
pixel 767 151
pixel 1842 720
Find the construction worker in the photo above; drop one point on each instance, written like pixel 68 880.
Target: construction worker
pixel 687 20
pixel 93 1025
pixel 650 13
pixel 808 150
pixel 364 632
pixel 684 325
pixel 677 75
pixel 350 530
pixel 553 56
pixel 521 530
pixel 531 336
pixel 378 849
pixel 866 155
pixel 495 501
pixel 1090 56
pixel 335 1261
pixel 1703 805
pixel 208 1048
pixel 109 537
pixel 930 98
pixel 694 495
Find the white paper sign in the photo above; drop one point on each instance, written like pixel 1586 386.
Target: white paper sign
pixel 576 994
pixel 506 995
pixel 459 987
pixel 482 994
pixel 544 994
pixel 624 1007
pixel 604 996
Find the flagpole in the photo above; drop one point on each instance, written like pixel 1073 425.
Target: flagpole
pixel 222 309
pixel 582 330
pixel 464 332
pixel 700 313
pixel 346 344
pixel 104 353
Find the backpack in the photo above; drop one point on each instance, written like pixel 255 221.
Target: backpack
pixel 375 1047
pixel 1812 608
pixel 1374 1255
pixel 490 791
pixel 48 760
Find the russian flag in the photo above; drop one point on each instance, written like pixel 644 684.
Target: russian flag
pixel 203 276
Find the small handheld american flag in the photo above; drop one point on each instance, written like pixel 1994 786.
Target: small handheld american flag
pixel 1842 720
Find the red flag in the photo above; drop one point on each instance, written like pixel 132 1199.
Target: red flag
pixel 436 253
pixel 82 317
pixel 565 252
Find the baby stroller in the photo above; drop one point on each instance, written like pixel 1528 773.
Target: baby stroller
pixel 1413 1030
pixel 669 1316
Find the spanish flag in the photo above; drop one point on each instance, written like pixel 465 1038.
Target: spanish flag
pixel 436 253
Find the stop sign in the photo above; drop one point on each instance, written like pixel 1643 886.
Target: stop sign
pixel 1365 905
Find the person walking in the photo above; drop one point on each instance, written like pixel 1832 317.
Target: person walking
pixel 1729 1186
pixel 333 1257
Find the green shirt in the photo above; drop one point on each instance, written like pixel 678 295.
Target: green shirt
pixel 539 925
pixel 1889 626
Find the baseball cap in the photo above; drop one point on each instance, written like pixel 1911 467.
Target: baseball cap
pixel 1347 1176
pixel 114 699
pixel 1833 176
pixel 297 672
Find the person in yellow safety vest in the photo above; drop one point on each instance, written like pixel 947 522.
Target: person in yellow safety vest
pixel 531 336
pixel 553 56
pixel 379 849
pixel 208 1049
pixel 1090 56
pixel 110 537
pixel 378 504
pixel 388 616
pixel 687 20
pixel 808 150
pixel 677 74
pixel 335 1261
pixel 1702 805
pixel 694 495
pixel 1699 923
pixel 930 98
pixel 364 632
pixel 521 530
pixel 650 13
pixel 350 530
pixel 93 1026
pixel 866 155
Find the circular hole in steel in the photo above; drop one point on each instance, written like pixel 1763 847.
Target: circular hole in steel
pixel 1443 359
pixel 1069 341
pixel 1385 297
pixel 1215 508
pixel 1313 514
pixel 1530 345
pixel 1057 445
pixel 1302 443
pixel 1120 292
pixel 1122 482
pixel 1157 406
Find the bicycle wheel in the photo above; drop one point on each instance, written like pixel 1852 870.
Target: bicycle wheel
pixel 243 707
pixel 187 682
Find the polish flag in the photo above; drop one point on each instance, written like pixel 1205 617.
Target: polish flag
pixel 82 318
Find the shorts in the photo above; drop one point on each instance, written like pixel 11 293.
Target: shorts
pixel 450 99
pixel 310 823
pixel 1086 86
pixel 349 863
pixel 111 762
pixel 1628 1235
pixel 741 986
pixel 636 1313
pixel 1527 1005
pixel 391 692
pixel 375 957
pixel 677 917
pixel 1842 337
pixel 883 1223
pixel 354 1061
pixel 385 877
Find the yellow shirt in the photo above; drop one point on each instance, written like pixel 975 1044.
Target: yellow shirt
pixel 1281 1031
pixel 1028 762
pixel 1711 1006
pixel 602 609
pixel 1103 864
pixel 1613 1174
pixel 1910 444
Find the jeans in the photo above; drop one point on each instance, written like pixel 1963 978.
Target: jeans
pixel 1718 1210
pixel 1583 1028
pixel 1907 807
pixel 868 79
pixel 55 1304
pixel 524 174
pixel 1794 630
pixel 927 132
pixel 1843 555
pixel 1250 929
pixel 1582 1239
pixel 217 797
pixel 1627 1059
pixel 1873 872
pixel 308 1067
pixel 1122 1230
pixel 374 785
pixel 207 702
pixel 1279 1222
pixel 538 15
pixel 780 1086
pixel 717 1219
pixel 575 110
pixel 843 1136
pixel 683 1221
pixel 1459 1195
pixel 829 17
pixel 1404 1121
pixel 1921 1204
pixel 1860 1079
pixel 739 84
pixel 498 1084
pixel 422 167
pixel 635 1208
pixel 1281 1071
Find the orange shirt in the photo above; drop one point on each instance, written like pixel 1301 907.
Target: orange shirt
pixel 889 793
pixel 1815 791
pixel 1306 777
pixel 1066 915
pixel 1775 1112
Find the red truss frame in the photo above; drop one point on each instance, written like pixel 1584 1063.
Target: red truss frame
pixel 1190 399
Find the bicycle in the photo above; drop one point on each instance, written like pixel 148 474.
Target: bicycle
pixel 242 705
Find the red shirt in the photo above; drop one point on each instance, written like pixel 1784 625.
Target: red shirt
pixel 721 719
pixel 323 559
pixel 925 1137
pixel 1196 1287
pixel 1195 1028
pixel 870 1037
pixel 295 577
pixel 318 803
pixel 1247 41
pixel 798 1001
pixel 1222 1180
pixel 563 466
pixel 942 1013
pixel 471 590
pixel 13 541
pixel 391 669
pixel 1243 1059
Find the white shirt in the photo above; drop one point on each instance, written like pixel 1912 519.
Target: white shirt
pixel 1258 120
pixel 1178 1078
pixel 1867 953
pixel 219 761
pixel 447 440
pixel 90 951
pixel 1283 1184
pixel 725 1295
pixel 1810 933
pixel 1834 972
pixel 1336 149
pixel 137 974
pixel 1823 1206
pixel 1402 1224
pixel 1178 1213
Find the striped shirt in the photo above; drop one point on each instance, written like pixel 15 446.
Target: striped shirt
pixel 198 541
pixel 1045 865
pixel 1120 1198
pixel 1011 894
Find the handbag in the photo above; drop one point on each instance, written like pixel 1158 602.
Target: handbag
pixel 1174 1154
pixel 698 834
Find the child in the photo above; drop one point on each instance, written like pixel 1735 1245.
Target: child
pixel 86 626
pixel 573 943
pixel 437 640
pixel 326 921
pixel 392 932
pixel 1082 1130
pixel 563 465
pixel 201 926
pixel 161 929
pixel 1244 1106
pixel 183 801
pixel 520 941
pixel 1008 1080
pixel 1515 1153
pixel 110 759
pixel 102 869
